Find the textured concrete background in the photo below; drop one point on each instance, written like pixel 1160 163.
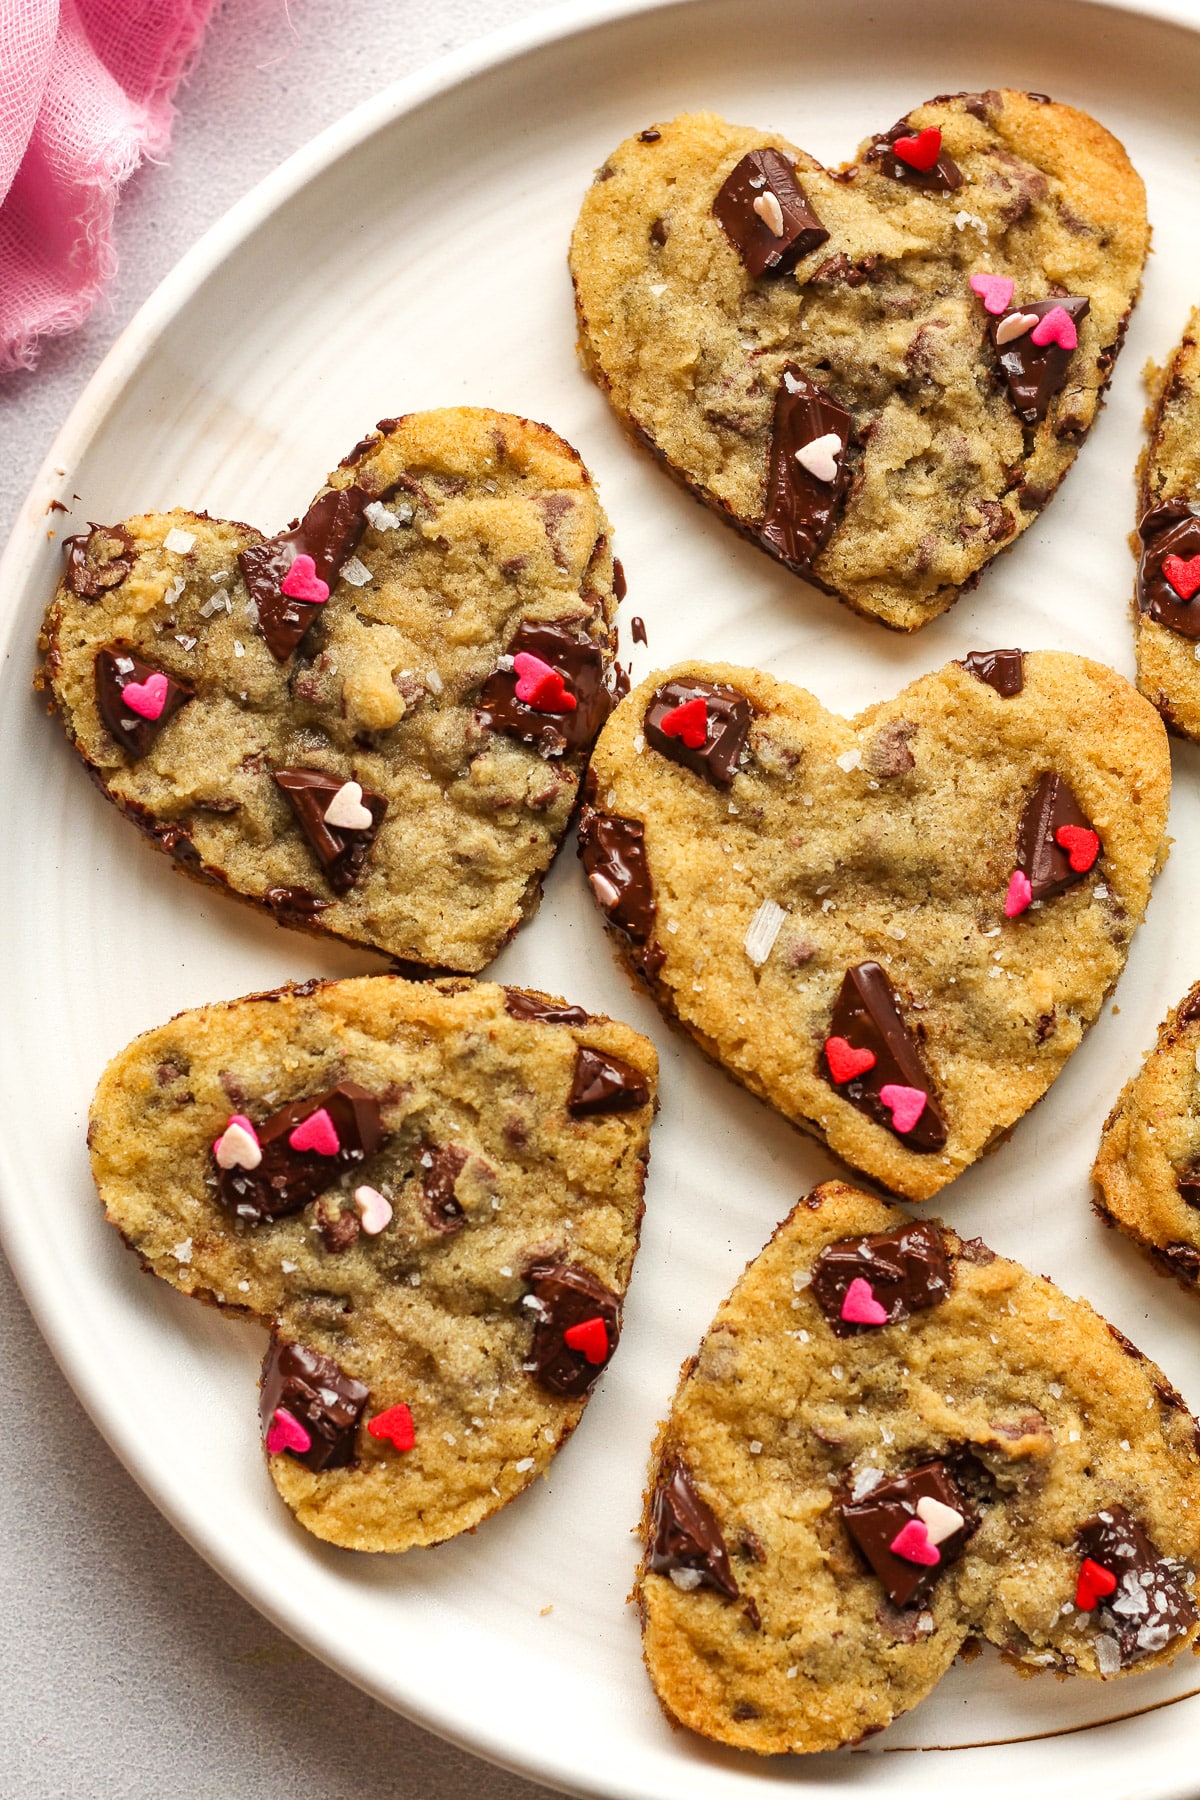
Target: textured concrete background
pixel 132 1671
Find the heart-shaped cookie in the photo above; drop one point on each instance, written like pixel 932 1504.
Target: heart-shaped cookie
pixel 879 924
pixel 1167 544
pixel 739 303
pixel 327 723
pixel 441 1259
pixel 834 1507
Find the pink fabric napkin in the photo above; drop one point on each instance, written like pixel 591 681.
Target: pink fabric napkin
pixel 85 92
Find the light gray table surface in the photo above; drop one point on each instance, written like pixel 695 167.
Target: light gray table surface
pixel 131 1670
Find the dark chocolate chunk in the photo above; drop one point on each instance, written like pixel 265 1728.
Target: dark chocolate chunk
pixel 875 1522
pixel 1188 1183
pixel 322 1398
pixel 295 903
pixel 1171 528
pixel 440 1166
pixel 329 532
pixel 1150 1606
pixel 637 630
pixel 287 1179
pixel 1189 1012
pixel 523 1005
pixel 580 662
pixel 1048 808
pixel 867 1015
pixel 98 561
pixel 685 1536
pixel 801 510
pixel 1034 373
pixel 613 853
pixel 1181 1260
pixel 115 667
pixel 1003 670
pixel 908 1269
pixel 605 1084
pixel 568 1296
pixel 728 720
pixel 341 850
pixel 339 1229
pixel 763 251
pixel 944 176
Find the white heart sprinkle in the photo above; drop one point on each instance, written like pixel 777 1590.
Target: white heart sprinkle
pixel 373 1210
pixel 770 212
pixel 940 1521
pixel 346 811
pixel 236 1148
pixel 820 457
pixel 1015 326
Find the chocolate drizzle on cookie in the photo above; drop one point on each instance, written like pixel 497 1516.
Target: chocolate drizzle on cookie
pixel 440 1166
pixel 613 853
pixel 876 1520
pixel 98 560
pixel 944 175
pixel 801 509
pixel 115 668
pixel 1149 1606
pixel 604 1083
pixel 520 1004
pixel 867 1016
pixel 568 1296
pixel 341 850
pixel 908 1270
pixel 686 1542
pixel 1034 373
pixel 580 662
pixel 772 239
pixel 1003 670
pixel 287 1179
pixel 329 532
pixel 320 1396
pixel 1170 532
pixel 1040 857
pixel 727 721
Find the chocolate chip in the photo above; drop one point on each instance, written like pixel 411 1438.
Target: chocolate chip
pixel 867 1015
pixel 1189 1012
pixel 650 136
pixel 363 448
pixel 620 585
pixel 1048 808
pixel 875 1521
pixel 888 755
pixel 908 1269
pixel 341 850
pixel 326 1401
pixel 1188 1183
pixel 944 176
pixel 1003 670
pixel 287 1179
pixel 523 1005
pixel 974 1250
pixel 580 662
pixel 684 1534
pixel 801 510
pixel 759 173
pixel 1143 1615
pixel 613 853
pixel 1127 1346
pixel 115 667
pixel 441 1165
pixel 295 904
pixel 1171 528
pixel 1182 1260
pixel 1034 373
pixel 637 630
pixel 98 561
pixel 728 714
pixel 338 1229
pixel 329 532
pixel 567 1296
pixel 605 1084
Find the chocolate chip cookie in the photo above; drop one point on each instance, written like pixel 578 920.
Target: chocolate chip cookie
pixel 1167 542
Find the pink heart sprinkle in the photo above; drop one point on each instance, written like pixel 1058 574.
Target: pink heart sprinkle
pixel 318 1132
pixel 238 1146
pixel 860 1307
pixel 303 583
pixel 540 686
pixel 907 1104
pixel 146 698
pixel 996 291
pixel 1019 895
pixel 1056 327
pixel 287 1433
pixel 912 1543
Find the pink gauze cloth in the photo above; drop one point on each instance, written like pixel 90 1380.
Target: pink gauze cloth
pixel 85 93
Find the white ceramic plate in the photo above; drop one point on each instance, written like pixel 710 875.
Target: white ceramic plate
pixel 412 257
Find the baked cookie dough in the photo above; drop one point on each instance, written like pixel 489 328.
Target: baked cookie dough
pixel 885 322
pixel 890 1440
pixel 393 764
pixel 430 1193
pixel 1167 542
pixel 894 928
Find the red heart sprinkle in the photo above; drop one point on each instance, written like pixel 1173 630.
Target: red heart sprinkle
pixel 540 686
pixel 395 1426
pixel 1184 577
pixel 845 1062
pixel 688 722
pixel 1083 846
pixel 922 151
pixel 912 1543
pixel 591 1337
pixel 317 1133
pixel 1094 1584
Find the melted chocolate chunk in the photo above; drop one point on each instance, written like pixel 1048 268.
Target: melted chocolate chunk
pixel 1034 373
pixel 1188 1183
pixel 341 850
pixel 1003 670
pixel 98 561
pixel 295 903
pixel 329 532
pixel 287 1179
pixel 944 176
pixel 684 1535
pixel 1049 807
pixel 115 667
pixel 605 1084
pixel 1170 529
pixel 613 850
pixel 579 661
pixel 1189 1012
pixel 523 1005
pixel 441 1165
pixel 1150 1606
pixel 801 510
pixel 875 1522
pixel 867 1015
pixel 637 630
pixel 759 173
pixel 567 1296
pixel 320 1396
pixel 717 759
pixel 908 1269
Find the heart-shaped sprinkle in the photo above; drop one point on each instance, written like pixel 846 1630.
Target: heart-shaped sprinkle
pixel 860 1307
pixel 395 1426
pixel 906 1104
pixel 346 811
pixel 1020 893
pixel 287 1433
pixel 1056 327
pixel 688 723
pixel 590 1338
pixel 845 1062
pixel 146 698
pixel 374 1211
pixel 1015 326
pixel 317 1133
pixel 238 1146
pixel 1083 846
pixel 940 1521
pixel 540 686
pixel 1184 577
pixel 770 212
pixel 303 583
pixel 1095 1584
pixel 911 1543
pixel 922 151
pixel 996 291
pixel 820 456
